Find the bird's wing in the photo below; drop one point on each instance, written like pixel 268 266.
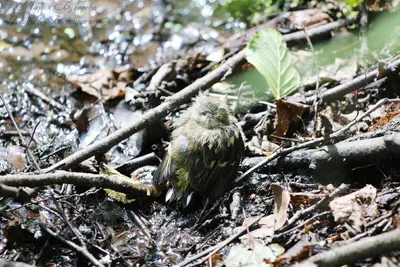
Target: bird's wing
pixel 212 171
pixel 165 172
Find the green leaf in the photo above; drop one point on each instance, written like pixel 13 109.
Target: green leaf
pixel 118 196
pixel 268 53
pixel 353 3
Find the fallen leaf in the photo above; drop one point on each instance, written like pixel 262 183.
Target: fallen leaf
pixel 289 117
pixel 272 222
pixel 310 17
pixel 106 83
pixel 250 255
pixel 384 121
pixel 298 252
pixel 355 208
pixel 12 158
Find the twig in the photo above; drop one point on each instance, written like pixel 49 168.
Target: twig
pixel 74 246
pixel 86 179
pixel 6 263
pixel 217 247
pixel 356 83
pixel 31 90
pixel 33 160
pixel 277 236
pixel 365 248
pixel 341 157
pixel 166 72
pixel 312 209
pixel 19 194
pixel 12 133
pixel 315 142
pixel 86 193
pixel 317 89
pixel 33 134
pixel 138 162
pixel 141 224
pixel 173 102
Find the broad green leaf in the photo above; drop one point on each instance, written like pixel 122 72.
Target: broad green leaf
pixel 268 53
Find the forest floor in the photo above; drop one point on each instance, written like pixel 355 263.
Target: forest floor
pixel 87 104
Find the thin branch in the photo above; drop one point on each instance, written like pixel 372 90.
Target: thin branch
pixel 79 249
pixel 217 247
pixel 365 248
pixel 354 84
pixel 312 209
pixel 61 177
pixel 277 236
pixel 31 90
pixel 31 157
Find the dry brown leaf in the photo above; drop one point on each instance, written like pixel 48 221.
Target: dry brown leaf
pixel 356 207
pixel 384 120
pixel 310 17
pixel 253 254
pixel 105 81
pixel 272 222
pixel 12 158
pixel 299 252
pixel 289 116
pixel 282 200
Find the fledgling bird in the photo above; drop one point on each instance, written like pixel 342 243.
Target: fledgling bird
pixel 204 154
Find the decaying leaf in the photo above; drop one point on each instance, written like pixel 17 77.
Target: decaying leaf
pixel 12 158
pixel 385 114
pixel 282 200
pixel 272 222
pixel 108 84
pixel 289 116
pixel 298 252
pixel 355 208
pixel 310 17
pixel 265 148
pixel 253 254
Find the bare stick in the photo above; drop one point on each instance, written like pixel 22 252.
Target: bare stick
pixel 79 249
pixel 61 177
pixel 277 236
pixel 31 90
pixel 365 248
pixel 217 247
pixel 312 209
pixel 354 84
pixel 31 157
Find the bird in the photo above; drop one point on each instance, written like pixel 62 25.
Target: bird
pixel 204 153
